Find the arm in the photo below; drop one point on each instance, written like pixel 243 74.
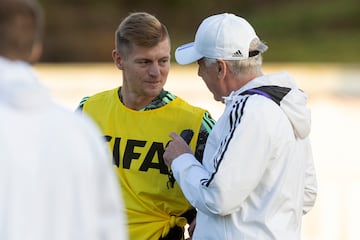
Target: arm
pixel 213 191
pixel 104 197
pixel 111 215
pixel 310 189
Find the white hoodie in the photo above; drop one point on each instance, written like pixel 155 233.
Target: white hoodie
pixel 257 177
pixel 56 176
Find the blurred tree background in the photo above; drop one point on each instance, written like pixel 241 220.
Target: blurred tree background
pixel 295 30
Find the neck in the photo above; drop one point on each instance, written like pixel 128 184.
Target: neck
pixel 134 101
pixel 237 82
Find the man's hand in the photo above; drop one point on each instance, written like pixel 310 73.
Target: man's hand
pixel 192 227
pixel 175 148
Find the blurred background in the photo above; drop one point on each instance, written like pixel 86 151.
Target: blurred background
pixel 316 41
pixel 296 30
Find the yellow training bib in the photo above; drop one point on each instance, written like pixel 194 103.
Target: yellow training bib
pixel 137 140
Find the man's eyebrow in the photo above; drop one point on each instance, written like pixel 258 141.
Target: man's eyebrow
pixel 143 59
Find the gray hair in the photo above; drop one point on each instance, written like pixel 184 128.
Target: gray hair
pixel 248 66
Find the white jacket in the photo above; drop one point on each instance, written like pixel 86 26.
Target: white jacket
pixel 56 176
pixel 258 176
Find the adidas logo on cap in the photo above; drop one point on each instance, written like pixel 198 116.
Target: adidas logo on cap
pixel 237 54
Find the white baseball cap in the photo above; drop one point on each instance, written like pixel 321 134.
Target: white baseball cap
pixel 222 36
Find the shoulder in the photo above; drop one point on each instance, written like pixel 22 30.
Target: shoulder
pixel 73 120
pixel 97 98
pixel 254 110
pixel 83 129
pixel 184 102
pixel 207 121
pixel 257 103
pixel 101 95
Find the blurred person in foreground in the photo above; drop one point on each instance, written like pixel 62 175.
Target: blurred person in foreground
pixel 56 177
pixel 136 119
pixel 257 177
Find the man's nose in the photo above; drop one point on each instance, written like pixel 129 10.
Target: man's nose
pixel 154 69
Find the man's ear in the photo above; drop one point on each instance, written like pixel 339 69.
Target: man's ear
pixel 117 59
pixel 35 54
pixel 221 69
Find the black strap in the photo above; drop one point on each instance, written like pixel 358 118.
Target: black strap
pixel 190 215
pixel 177 233
pixel 274 93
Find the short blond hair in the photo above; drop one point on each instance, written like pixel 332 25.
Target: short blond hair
pixel 141 29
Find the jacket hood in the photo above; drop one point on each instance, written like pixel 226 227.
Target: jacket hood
pixel 19 86
pixel 282 89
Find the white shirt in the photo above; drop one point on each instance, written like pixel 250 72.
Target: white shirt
pixel 56 177
pixel 257 178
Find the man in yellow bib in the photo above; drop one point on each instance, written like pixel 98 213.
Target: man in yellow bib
pixel 136 119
